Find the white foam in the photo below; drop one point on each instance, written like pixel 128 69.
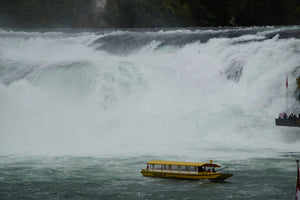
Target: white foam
pixel 157 101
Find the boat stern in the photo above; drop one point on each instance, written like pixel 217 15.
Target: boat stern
pixel 224 176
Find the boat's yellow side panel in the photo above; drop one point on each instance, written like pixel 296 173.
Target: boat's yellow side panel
pixel 197 164
pixel 193 176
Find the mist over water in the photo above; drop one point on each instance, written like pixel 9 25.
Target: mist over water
pixel 173 92
pixel 82 111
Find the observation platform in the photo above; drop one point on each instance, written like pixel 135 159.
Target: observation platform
pixel 288 122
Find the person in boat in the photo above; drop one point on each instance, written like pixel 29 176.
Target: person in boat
pixel 200 169
pixel 292 117
pixel 283 115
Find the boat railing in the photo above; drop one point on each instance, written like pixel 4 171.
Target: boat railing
pixel 224 168
pixel 171 171
pixel 180 171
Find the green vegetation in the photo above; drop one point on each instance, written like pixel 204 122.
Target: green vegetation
pixel 153 13
pixel 46 13
pixel 148 13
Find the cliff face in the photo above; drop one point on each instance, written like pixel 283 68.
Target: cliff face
pixel 147 13
pixel 99 5
pixel 98 8
pixel 52 13
pixel 157 13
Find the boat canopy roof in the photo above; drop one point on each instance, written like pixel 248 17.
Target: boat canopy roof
pixel 196 164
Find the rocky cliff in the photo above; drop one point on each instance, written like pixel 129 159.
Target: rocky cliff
pixel 147 13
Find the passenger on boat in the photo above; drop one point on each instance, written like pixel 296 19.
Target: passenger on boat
pixel 283 116
pixel 292 116
pixel 200 169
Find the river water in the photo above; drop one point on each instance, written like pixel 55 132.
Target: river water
pixel 82 111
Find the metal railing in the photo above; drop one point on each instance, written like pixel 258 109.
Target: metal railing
pixel 222 169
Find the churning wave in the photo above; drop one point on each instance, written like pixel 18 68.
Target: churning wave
pixel 147 90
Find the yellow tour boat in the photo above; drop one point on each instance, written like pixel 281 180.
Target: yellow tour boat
pixel 185 170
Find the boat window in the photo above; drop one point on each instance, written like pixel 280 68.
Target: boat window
pixel 193 169
pixel 183 168
pixel 174 167
pixel 151 166
pixel 158 166
pixel 168 167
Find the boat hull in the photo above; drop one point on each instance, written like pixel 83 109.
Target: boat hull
pixel 187 176
pixel 288 122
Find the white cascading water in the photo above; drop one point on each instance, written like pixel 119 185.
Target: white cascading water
pixel 65 94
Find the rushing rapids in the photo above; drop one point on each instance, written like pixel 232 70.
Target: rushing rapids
pixel 81 111
pixel 81 91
